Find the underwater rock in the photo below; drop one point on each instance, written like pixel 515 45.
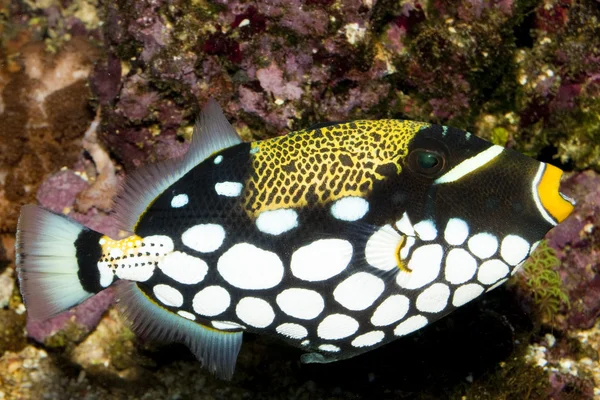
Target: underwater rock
pixel 45 111
pixel 568 296
pixel 73 325
pixel 60 192
pixel 577 244
pixel 57 193
pixel 7 285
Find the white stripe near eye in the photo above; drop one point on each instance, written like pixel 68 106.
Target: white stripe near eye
pixel 470 164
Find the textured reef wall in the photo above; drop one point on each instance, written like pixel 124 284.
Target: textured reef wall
pixel 90 89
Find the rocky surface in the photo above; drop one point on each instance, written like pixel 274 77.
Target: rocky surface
pixel 90 89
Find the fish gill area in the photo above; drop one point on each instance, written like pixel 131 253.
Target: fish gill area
pixel 91 89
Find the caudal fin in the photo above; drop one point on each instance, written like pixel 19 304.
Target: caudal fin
pixel 47 262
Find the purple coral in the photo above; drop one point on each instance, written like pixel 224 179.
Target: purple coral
pixel 85 317
pixel 576 242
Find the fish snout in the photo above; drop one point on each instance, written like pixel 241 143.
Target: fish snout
pixel 552 202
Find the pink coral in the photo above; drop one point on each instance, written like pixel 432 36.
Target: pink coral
pixel 271 79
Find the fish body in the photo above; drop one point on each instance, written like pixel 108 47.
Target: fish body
pixel 337 239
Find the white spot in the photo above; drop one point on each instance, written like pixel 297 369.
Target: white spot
pixel 426 230
pixel 495 285
pixel 116 253
pixel 255 312
pixel 141 268
pixel 483 245
pixel 211 301
pixel 168 295
pixel 204 238
pixel 321 259
pixel 247 267
pixel 410 241
pixel 405 226
pixel 350 208
pixel 293 331
pixel 218 160
pixel 106 274
pixel 391 310
pixel 514 249
pixel 180 200
pixel 424 266
pixel 534 246
pixel 277 222
pixel 466 293
pixel 381 248
pixel 359 291
pixel 337 326
pixel 460 266
pixel 227 325
pixel 329 347
pixel 536 195
pixel 456 232
pixel 368 339
pixel 187 315
pixel 491 271
pixel 229 189
pixel 140 273
pixel 433 299
pixel 470 164
pixel 301 303
pixel 161 244
pixel 410 325
pixel 183 267
pixel 305 342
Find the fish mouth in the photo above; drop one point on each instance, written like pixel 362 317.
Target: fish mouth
pixel 554 205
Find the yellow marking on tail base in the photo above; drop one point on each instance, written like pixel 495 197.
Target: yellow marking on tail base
pixel 321 165
pixel 118 248
pixel 109 244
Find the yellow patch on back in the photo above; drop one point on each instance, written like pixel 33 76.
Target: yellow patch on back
pixel 322 165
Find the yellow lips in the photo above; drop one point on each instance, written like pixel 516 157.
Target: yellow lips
pixel 552 201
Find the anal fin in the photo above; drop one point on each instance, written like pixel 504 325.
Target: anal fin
pixel 216 350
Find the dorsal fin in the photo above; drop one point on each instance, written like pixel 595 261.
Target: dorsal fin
pixel 212 133
pixel 216 350
pixel 320 125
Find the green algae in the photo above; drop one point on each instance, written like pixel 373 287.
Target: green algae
pixel 511 379
pixel 500 136
pixel 544 283
pixel 122 352
pixel 68 337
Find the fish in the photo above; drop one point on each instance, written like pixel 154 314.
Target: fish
pixel 337 239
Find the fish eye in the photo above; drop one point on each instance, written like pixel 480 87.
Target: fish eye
pixel 426 162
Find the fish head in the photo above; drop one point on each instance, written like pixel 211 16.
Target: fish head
pixel 486 205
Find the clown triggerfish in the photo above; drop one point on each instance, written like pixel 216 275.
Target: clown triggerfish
pixel 337 239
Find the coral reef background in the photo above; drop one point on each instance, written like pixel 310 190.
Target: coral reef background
pixel 90 89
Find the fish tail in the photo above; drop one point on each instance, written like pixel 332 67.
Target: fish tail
pixel 54 257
